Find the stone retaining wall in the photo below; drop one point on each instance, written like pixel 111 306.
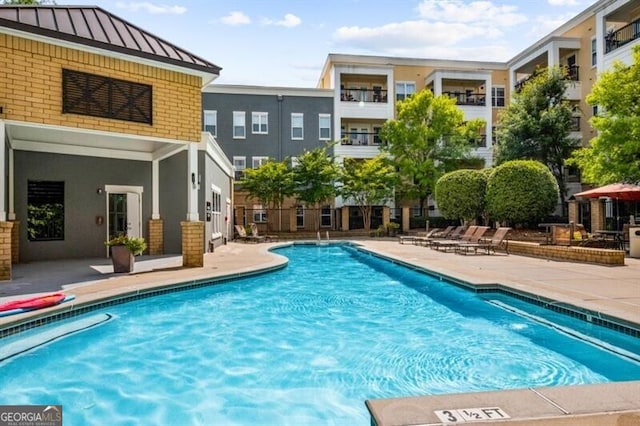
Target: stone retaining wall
pixel 570 253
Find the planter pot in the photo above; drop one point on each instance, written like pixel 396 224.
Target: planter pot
pixel 122 259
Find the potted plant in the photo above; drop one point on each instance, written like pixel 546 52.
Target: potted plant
pixel 392 229
pixel 123 250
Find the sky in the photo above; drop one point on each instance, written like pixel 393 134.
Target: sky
pixel 286 42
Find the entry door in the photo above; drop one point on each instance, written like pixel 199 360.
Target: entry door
pixel 124 214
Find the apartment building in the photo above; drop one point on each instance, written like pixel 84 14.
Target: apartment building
pixel 254 124
pixel 366 88
pixel 95 142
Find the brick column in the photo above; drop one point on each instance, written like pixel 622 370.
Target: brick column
pixel 345 218
pixel 192 244
pixel 597 215
pixel 156 237
pixel 15 242
pixel 573 211
pixel 5 250
pixel 406 219
pixel 386 215
pixel 293 222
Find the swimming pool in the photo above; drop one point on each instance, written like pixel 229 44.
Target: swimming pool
pixel 306 344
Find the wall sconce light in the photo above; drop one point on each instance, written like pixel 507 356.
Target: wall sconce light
pixel 193 180
pixel 99 191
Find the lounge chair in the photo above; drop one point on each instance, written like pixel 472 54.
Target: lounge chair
pixel 255 234
pixel 244 237
pixel 414 237
pixel 473 235
pixel 485 244
pixel 452 234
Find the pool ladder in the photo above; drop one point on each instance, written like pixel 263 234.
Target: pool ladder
pixel 320 240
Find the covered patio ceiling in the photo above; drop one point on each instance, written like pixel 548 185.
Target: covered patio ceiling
pixel 26 136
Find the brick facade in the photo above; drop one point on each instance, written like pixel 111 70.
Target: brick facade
pixel 31 82
pixel 156 237
pixel 192 244
pixel 15 242
pixel 5 250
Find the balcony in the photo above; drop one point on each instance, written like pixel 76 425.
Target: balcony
pixel 364 95
pixel 624 35
pixel 360 138
pixel 468 98
pixel 572 73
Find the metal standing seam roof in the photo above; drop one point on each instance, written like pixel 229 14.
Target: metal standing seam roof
pixel 95 27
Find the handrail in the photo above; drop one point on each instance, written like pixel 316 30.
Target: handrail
pixel 622 36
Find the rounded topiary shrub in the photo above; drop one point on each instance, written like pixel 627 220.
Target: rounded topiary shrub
pixel 461 194
pixel 521 191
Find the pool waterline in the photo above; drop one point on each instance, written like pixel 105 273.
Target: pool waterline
pixel 168 290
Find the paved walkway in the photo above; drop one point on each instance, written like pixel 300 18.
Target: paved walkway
pixel 613 291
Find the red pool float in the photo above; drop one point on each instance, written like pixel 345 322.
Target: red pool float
pixel 32 303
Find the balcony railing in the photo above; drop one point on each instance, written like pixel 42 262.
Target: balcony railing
pixel 624 35
pixel 364 95
pixel 572 74
pixel 468 98
pixel 360 138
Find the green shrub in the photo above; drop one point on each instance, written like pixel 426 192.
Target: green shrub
pixel 134 244
pixel 461 194
pixel 521 191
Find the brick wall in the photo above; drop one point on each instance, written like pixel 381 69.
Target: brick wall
pixel 192 244
pixel 15 242
pixel 5 250
pixel 156 237
pixel 31 90
pixel 573 254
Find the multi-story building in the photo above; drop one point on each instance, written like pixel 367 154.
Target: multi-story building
pixel 100 134
pixel 254 124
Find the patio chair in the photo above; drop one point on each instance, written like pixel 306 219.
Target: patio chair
pixel 486 244
pixel 452 234
pixel 472 235
pixel 414 237
pixel 244 237
pixel 255 234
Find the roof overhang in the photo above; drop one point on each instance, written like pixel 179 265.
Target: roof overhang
pixel 24 136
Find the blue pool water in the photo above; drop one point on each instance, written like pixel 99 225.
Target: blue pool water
pixel 307 344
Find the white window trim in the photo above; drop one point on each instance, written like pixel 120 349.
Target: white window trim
pixel 260 116
pixel 301 115
pixel 494 98
pixel 214 114
pixel 405 84
pixel 244 124
pixel 260 159
pixel 594 49
pixel 320 127
pixel 260 210
pixel 216 212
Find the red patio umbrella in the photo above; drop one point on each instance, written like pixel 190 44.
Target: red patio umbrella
pixel 619 191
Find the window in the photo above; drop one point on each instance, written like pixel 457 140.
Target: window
pixel 594 52
pixel 299 216
pixel 240 163
pixel 258 161
pixel 297 126
pixel 376 135
pixel 211 122
pixel 216 211
pixel 259 123
pixel 594 110
pixel 325 126
pixel 45 210
pixel 404 89
pixel 259 214
pixel 325 216
pixel 238 125
pixel 98 96
pixel 497 96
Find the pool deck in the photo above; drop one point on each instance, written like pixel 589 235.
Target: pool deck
pixel 610 291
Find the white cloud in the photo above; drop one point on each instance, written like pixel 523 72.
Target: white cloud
pixel 562 2
pixel 290 20
pixel 152 8
pixel 477 13
pixel 235 18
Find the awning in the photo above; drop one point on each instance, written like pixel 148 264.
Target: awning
pixel 619 191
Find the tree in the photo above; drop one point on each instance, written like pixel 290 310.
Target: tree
pixel 427 133
pixel 461 194
pixel 270 184
pixel 520 191
pixel 537 124
pixel 614 154
pixel 315 178
pixel 367 182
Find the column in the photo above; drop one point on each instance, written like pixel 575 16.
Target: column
pixel 597 215
pixel 5 250
pixel 156 237
pixel 192 244
pixel 345 218
pixel 573 213
pixel 406 219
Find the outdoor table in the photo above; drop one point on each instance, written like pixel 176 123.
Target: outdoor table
pixel 615 236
